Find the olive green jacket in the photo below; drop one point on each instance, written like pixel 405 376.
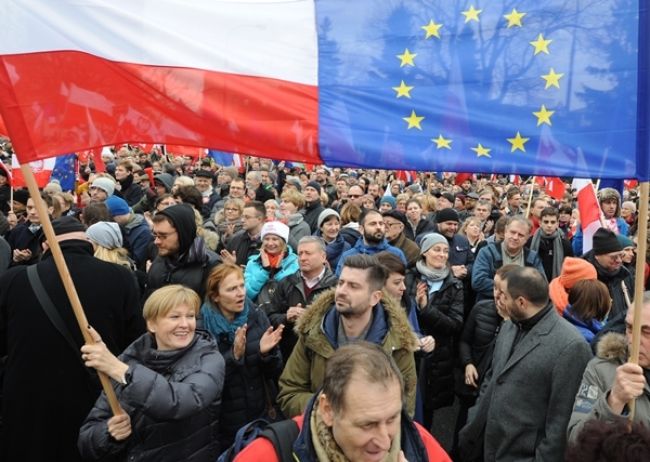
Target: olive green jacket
pixel 305 369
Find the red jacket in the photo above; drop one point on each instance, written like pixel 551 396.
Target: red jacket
pixel 262 450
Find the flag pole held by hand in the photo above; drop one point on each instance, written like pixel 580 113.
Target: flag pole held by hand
pixel 68 284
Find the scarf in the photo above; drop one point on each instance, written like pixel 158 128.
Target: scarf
pixel 326 448
pixel 507 259
pixel 558 250
pixel 431 274
pixel 217 324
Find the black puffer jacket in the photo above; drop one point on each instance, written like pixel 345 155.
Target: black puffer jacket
pixel 443 319
pixel 249 380
pixel 173 398
pixel 290 292
pixel 479 333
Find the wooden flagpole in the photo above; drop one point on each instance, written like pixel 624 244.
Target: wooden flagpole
pixel 638 282
pixel 530 196
pixel 68 284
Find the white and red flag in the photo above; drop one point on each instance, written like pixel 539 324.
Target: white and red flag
pixel 589 211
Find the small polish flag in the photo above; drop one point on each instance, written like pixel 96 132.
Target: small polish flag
pixel 589 211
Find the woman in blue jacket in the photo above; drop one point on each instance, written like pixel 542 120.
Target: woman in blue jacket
pixel 275 262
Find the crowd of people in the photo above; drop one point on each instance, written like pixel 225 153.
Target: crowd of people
pixel 360 305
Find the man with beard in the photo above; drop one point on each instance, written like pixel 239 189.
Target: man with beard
pixel 525 402
pixel 373 239
pixel 356 310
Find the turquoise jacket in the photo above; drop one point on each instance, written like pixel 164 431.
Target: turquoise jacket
pixel 256 276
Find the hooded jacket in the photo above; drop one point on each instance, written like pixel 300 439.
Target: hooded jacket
pixel 193 262
pixel 173 398
pixel 597 380
pixel 317 340
pixel 138 238
pixel 361 248
pixel 613 283
pixel 298 228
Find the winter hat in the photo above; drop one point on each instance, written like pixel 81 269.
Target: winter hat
pixel 52 187
pixel 397 215
pixel 573 270
pixel 183 220
pixel 201 173
pixel 430 240
pixel 447 215
pixel 66 225
pixel 449 196
pixel 21 195
pixel 625 241
pixel 605 241
pixel 107 234
pixel 105 184
pixel 415 188
pixel 276 228
pixel 117 206
pixel 325 214
pixel 607 194
pixel 388 200
pixel 164 179
pixel 314 184
pixel 295 181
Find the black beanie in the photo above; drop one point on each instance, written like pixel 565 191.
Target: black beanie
pixel 605 241
pixel 182 217
pixel 66 225
pixel 447 215
pixel 314 184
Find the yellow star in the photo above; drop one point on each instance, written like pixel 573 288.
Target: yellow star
pixel 541 45
pixel 514 18
pixel 481 151
pixel 403 90
pixel 407 58
pixel 543 116
pixel 518 142
pixel 552 79
pixel 432 29
pixel 442 142
pixel 413 121
pixel 471 14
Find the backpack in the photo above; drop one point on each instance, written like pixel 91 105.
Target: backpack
pixel 281 434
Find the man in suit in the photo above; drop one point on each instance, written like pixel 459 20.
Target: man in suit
pixel 526 400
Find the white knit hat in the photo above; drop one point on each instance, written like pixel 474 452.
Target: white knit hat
pixel 276 228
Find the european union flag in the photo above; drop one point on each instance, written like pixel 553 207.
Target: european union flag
pixel 64 171
pixel 543 87
pixel 220 157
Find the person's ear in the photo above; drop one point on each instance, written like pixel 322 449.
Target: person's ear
pixel 325 410
pixel 375 297
pixel 151 326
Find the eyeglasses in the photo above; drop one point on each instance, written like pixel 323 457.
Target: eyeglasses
pixel 162 236
pixel 390 225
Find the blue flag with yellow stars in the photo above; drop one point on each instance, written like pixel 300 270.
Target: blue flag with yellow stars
pixel 543 87
pixel 64 171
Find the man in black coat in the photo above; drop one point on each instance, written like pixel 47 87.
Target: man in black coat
pixel 47 392
pixel 296 292
pixel 183 257
pixel 313 206
pixel 246 242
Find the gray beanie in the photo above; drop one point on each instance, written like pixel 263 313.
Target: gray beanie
pixel 430 240
pixel 106 234
pixel 325 214
pixel 105 184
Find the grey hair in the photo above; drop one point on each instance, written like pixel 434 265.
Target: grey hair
pixel 313 240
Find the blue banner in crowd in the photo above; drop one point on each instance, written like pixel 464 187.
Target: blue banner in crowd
pixel 543 87
pixel 64 171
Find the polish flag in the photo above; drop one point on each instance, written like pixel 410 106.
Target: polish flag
pixel 186 151
pixel 131 72
pixel 407 176
pixel 42 169
pixel 589 211
pixel 515 179
pixel 555 187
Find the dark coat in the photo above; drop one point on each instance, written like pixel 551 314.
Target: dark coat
pixel 22 238
pixel 311 213
pixel 131 192
pixel 423 227
pixel 443 319
pixel 613 283
pixel 335 249
pixel 251 381
pixel 192 271
pixel 523 410
pixel 137 239
pixel 47 391
pixel 350 235
pixel 476 344
pixel 290 292
pixel 410 249
pixel 243 246
pixel 173 399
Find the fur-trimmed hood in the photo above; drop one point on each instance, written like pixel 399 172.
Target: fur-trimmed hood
pixel 612 347
pixel 398 323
